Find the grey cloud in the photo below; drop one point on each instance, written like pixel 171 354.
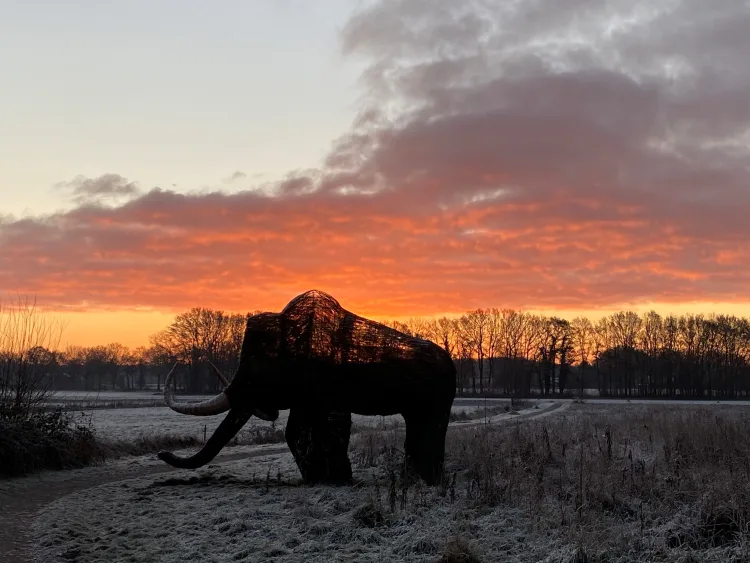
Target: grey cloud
pixel 87 190
pixel 594 93
pixel 238 175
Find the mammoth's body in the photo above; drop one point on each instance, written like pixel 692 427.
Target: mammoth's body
pixel 323 363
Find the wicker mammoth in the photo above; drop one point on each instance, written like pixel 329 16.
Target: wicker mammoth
pixel 323 363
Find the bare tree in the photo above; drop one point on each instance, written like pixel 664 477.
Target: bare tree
pixel 582 333
pixel 419 327
pixel 510 346
pixel 200 336
pixel 652 344
pixel 140 360
pixel 446 334
pixel 556 343
pixel 475 328
pixel 493 343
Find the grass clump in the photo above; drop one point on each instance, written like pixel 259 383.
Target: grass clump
pixel 458 550
pixel 369 515
pixel 259 435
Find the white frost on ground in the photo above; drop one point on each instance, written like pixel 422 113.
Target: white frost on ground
pixel 130 423
pixel 125 424
pixel 254 510
pixel 137 462
pixel 232 513
pixel 129 464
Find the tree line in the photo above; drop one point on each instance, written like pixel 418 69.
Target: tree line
pixel 623 354
pixel 496 352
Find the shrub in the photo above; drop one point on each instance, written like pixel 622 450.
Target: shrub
pixel 31 441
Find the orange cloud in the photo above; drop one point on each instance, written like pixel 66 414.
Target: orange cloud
pixel 510 172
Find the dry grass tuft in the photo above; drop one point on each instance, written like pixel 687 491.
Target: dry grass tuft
pixel 370 515
pixel 458 550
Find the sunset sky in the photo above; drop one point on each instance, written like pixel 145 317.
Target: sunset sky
pixel 411 157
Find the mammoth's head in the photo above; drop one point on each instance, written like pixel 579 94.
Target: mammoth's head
pixel 256 388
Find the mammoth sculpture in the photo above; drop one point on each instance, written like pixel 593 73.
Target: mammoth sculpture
pixel 323 363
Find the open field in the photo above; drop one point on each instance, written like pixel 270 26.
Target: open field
pixel 123 424
pixel 89 400
pixel 131 399
pixel 120 424
pixel 594 483
pixel 110 399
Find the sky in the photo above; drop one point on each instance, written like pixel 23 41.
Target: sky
pixel 410 157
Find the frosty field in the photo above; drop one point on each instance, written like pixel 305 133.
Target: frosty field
pixel 584 483
pixel 122 424
pixel 220 516
pixel 110 399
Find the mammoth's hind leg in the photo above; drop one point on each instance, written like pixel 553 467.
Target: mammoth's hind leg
pixel 425 443
pixel 319 441
pixel 337 432
pixel 299 438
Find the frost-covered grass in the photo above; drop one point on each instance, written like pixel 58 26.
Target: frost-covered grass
pixel 595 483
pixel 257 512
pixel 137 431
pixel 616 484
pixel 124 424
pixel 131 423
pixel 114 433
pixel 88 400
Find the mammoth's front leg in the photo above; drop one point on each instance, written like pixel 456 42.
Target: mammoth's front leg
pixel 319 441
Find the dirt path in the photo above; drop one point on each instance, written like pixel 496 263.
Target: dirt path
pixel 20 505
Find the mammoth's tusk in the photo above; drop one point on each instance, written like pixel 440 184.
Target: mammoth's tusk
pixel 221 436
pixel 215 405
pixel 220 375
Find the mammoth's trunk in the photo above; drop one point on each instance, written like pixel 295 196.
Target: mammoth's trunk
pixel 215 405
pixel 225 432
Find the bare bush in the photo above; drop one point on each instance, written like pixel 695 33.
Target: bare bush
pixel 44 440
pixel 28 340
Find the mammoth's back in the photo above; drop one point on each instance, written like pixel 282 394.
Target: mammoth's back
pixel 316 326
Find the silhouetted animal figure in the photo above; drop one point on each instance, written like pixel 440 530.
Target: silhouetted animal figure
pixel 323 363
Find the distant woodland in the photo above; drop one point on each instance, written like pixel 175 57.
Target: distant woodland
pixel 496 352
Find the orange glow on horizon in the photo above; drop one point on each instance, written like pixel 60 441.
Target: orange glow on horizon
pixel 574 188
pixel 133 328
